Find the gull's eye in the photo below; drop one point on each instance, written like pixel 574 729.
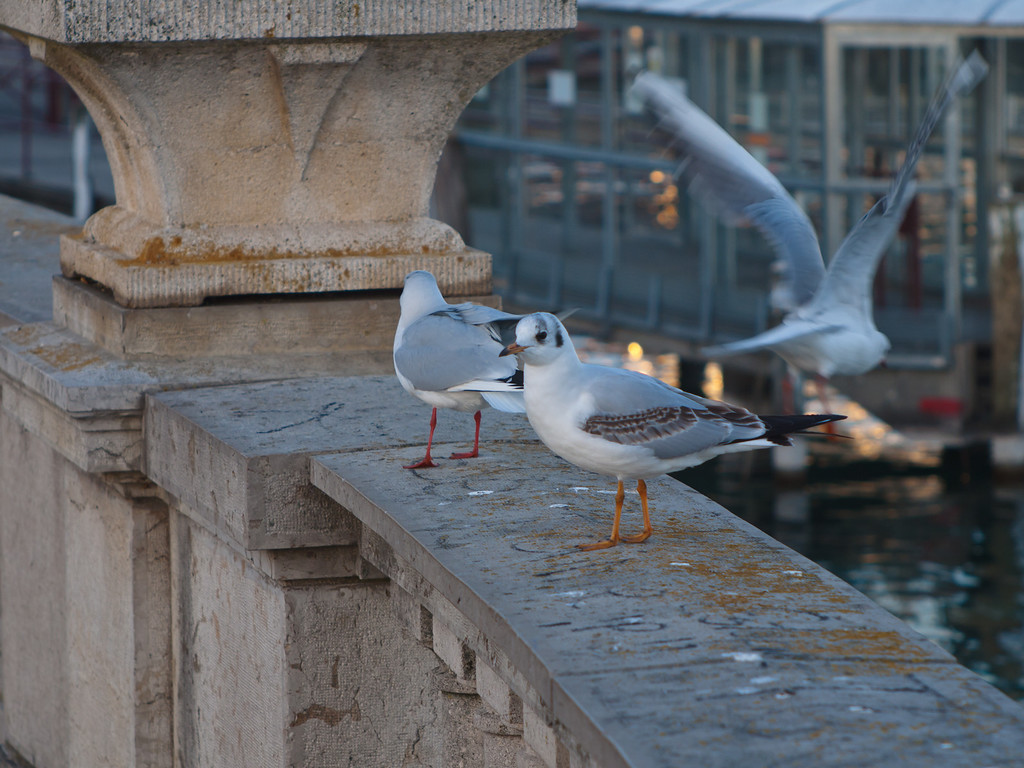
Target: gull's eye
pixel 542 335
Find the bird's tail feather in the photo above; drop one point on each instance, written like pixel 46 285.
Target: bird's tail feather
pixel 509 402
pixel 781 427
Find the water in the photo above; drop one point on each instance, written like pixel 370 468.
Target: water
pixel 944 555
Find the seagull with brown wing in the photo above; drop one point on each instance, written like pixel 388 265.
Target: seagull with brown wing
pixel 625 424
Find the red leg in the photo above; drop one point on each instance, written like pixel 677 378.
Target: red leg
pixel 788 401
pixel 641 488
pixel 426 463
pixel 620 494
pixel 476 442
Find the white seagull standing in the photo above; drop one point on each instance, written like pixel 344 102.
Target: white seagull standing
pixel 829 328
pixel 447 355
pixel 626 424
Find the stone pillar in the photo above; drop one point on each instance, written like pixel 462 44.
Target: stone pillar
pixel 275 148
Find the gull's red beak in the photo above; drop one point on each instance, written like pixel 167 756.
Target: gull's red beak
pixel 511 349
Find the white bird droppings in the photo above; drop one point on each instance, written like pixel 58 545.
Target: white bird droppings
pixel 747 656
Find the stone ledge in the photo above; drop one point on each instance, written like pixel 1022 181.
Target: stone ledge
pixel 87 403
pixel 91 21
pixel 239 454
pixel 101 442
pixel 711 642
pixel 30 252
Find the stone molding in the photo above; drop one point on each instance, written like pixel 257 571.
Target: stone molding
pixel 98 21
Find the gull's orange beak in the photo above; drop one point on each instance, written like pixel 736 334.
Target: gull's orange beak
pixel 511 349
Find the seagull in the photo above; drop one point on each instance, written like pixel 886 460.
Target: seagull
pixel 447 355
pixel 828 328
pixel 627 424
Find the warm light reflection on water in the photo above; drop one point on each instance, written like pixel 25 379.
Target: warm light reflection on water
pixel 873 438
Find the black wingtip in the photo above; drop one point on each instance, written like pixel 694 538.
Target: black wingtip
pixel 781 427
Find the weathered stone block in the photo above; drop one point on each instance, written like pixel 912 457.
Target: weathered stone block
pixel 356 330
pixel 317 673
pixel 540 737
pixel 229 651
pixel 497 693
pixel 77 559
pixel 33 596
pixel 118 575
pixel 453 652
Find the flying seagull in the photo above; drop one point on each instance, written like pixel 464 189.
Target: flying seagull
pixel 829 328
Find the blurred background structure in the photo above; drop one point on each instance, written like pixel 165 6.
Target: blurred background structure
pixel 574 194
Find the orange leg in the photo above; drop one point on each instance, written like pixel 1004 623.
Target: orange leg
pixel 476 443
pixel 425 463
pixel 641 488
pixel 620 495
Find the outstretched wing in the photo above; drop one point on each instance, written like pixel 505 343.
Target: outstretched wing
pixel 737 186
pixel 852 270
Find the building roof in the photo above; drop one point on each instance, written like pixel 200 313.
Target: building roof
pixel 967 13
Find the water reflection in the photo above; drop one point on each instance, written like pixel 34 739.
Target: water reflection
pixel 946 558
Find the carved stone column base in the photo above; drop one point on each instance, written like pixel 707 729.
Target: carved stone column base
pixel 355 330
pixel 176 266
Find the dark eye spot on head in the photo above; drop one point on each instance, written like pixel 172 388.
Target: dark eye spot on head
pixel 558 339
pixel 541 335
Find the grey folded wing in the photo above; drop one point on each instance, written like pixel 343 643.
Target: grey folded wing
pixel 438 352
pixel 632 409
